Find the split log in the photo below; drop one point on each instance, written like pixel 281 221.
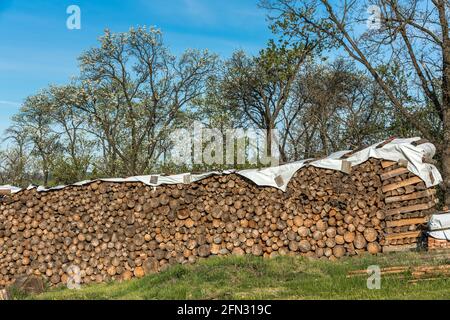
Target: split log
pixel 387 164
pixel 401 184
pixel 417 207
pixel 406 222
pixel 393 173
pixel 402 235
pixel 412 196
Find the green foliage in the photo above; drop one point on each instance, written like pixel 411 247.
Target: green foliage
pixel 65 171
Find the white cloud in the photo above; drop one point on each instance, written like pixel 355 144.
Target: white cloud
pixel 197 9
pixel 9 103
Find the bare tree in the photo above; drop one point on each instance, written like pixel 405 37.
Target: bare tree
pixel 412 31
pixel 261 86
pixel 335 107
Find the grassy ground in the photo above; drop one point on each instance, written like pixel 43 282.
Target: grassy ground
pixel 278 278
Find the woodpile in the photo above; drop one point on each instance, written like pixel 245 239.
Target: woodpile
pixel 438 244
pixel 338 214
pixel 112 231
pixel 438 231
pixel 409 205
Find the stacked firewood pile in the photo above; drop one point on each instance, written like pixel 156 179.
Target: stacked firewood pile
pixel 409 205
pixel 437 244
pixel 338 214
pixel 107 231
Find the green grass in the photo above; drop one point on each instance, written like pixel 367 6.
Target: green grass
pixel 257 278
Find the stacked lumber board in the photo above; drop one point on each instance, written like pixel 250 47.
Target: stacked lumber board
pixel 438 244
pixel 438 266
pixel 439 231
pixel 418 273
pixel 409 205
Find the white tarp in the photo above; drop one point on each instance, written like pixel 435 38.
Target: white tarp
pixel 279 177
pixel 398 149
pixel 439 226
pixel 11 188
pixel 402 149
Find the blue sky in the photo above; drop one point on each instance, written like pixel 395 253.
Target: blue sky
pixel 36 48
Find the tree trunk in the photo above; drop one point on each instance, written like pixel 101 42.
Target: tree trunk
pixel 45 171
pixel 269 141
pixel 446 156
pixel 324 139
pixel 445 99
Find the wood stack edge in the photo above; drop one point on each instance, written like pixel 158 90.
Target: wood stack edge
pixel 409 205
